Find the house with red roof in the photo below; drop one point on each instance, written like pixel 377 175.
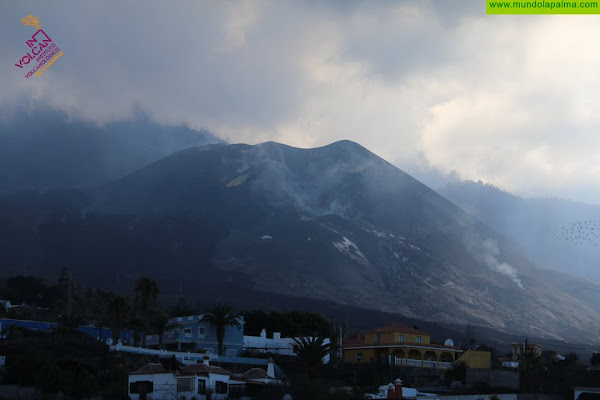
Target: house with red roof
pixel 152 382
pixel 195 381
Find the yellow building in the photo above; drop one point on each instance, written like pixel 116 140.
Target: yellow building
pixel 399 345
pixel 477 359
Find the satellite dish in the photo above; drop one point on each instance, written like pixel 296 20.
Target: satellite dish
pixel 449 342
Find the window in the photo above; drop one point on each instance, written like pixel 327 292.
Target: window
pixel 201 386
pixel 358 357
pixel 401 338
pixel 141 387
pixel 377 338
pixel 220 387
pixel 187 331
pixel 176 331
pixel 185 385
pixel 419 339
pixel 230 353
pixel 201 331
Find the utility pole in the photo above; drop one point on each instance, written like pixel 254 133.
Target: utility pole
pixel 70 297
pixel 341 344
pixel 494 355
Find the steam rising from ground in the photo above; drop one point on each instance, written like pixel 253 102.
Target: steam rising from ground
pixel 490 256
pixel 487 252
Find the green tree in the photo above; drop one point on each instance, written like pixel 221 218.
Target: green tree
pixel 69 323
pixel 458 372
pixel 180 309
pixel 159 323
pixel 530 365
pixel 310 351
pixel 548 358
pixel 290 324
pixel 571 359
pixel 221 316
pixel 146 295
pixel 118 311
pixel 25 289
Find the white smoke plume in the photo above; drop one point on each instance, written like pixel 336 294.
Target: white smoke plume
pixel 489 254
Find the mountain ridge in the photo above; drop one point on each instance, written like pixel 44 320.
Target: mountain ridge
pixel 335 223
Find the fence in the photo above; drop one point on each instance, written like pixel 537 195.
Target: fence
pixel 420 363
pixel 188 357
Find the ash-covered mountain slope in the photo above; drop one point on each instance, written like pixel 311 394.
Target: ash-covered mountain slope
pixel 335 223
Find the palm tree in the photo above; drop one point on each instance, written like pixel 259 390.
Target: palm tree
pixel 146 294
pixel 530 365
pixel 221 316
pixel 119 312
pixel 458 372
pixel 69 323
pixel 310 351
pixel 159 323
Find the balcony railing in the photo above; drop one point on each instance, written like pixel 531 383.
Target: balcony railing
pixel 420 363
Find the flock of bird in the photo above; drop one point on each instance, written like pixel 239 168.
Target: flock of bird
pixel 579 232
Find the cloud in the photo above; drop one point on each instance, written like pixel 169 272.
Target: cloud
pixel 434 85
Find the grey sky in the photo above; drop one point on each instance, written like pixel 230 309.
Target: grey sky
pixel 436 87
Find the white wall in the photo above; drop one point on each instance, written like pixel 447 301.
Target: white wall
pixel 479 397
pixel 282 346
pixel 165 386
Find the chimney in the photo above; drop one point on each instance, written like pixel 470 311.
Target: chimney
pixel 398 388
pixel 391 391
pixel 271 369
pixel 206 359
pixel 263 333
pixel 276 335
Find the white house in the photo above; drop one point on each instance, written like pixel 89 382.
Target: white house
pixel 395 390
pixel 261 377
pixel 152 382
pixel 195 380
pixel 275 345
